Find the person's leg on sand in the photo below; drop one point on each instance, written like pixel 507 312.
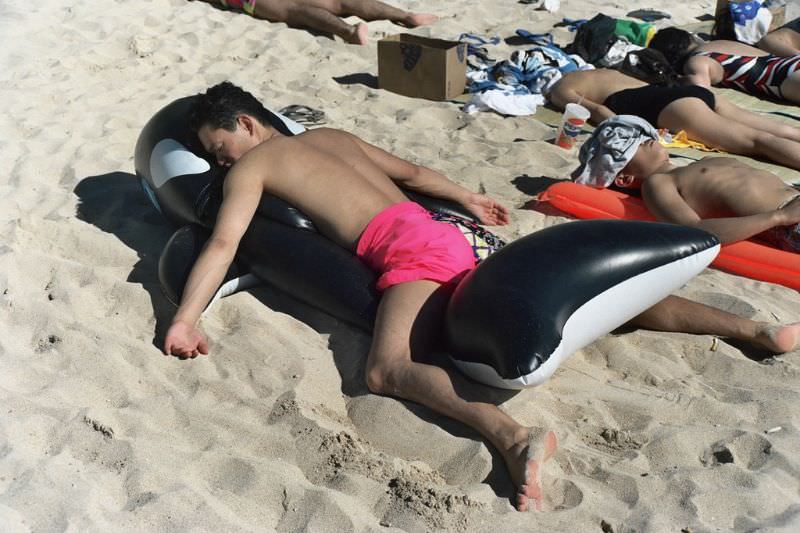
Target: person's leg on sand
pixel 370 10
pixel 674 313
pixel 756 121
pixel 408 320
pixel 704 125
pixel 790 88
pixel 299 15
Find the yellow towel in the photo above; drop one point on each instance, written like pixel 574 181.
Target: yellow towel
pixel 681 140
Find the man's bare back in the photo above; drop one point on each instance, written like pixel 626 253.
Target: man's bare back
pixel 595 85
pixel 326 174
pixel 724 187
pixel 590 88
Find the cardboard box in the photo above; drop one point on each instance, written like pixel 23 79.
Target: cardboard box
pixel 422 67
pixel 778 15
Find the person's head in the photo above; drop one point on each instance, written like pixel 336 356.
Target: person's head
pixel 675 44
pixel 229 121
pixel 649 158
pixel 622 150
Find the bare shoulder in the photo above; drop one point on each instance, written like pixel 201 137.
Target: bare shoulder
pixel 659 181
pixel 695 62
pixel 731 47
pixel 325 133
pixel 569 80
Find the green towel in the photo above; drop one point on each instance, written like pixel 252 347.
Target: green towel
pixel 638 33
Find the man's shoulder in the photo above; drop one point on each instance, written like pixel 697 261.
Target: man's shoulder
pixel 659 180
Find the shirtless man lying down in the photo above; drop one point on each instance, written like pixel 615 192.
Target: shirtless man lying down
pixel 721 195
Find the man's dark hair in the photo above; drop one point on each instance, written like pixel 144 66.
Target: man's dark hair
pixel 221 104
pixel 674 43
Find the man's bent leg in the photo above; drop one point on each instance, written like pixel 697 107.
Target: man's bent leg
pixel 408 320
pixel 674 313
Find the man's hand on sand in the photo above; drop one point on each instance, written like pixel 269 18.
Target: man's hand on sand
pixel 487 209
pixel 184 340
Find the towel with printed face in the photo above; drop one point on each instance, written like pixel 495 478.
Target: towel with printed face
pixel 611 146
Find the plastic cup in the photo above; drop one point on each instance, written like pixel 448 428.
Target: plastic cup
pixel 575 116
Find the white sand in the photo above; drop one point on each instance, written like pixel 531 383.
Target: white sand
pixel 276 430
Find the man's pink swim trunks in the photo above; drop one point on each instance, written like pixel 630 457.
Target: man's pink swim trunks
pixel 403 243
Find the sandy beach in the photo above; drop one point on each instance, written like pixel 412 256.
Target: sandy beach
pixel 276 429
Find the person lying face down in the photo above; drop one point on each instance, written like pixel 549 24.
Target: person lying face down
pixel 703 115
pixel 326 16
pixel 730 64
pixel 721 195
pixel 349 189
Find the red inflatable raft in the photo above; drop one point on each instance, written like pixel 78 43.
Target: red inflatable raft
pixel 744 258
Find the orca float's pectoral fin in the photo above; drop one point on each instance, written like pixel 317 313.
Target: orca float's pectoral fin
pixel 178 258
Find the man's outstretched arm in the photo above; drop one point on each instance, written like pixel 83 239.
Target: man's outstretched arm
pixel 427 181
pixel 665 202
pixel 242 193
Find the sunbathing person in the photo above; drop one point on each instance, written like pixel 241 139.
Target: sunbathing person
pixel 730 64
pixel 785 41
pixel 721 195
pixel 324 15
pixel 710 119
pixel 349 190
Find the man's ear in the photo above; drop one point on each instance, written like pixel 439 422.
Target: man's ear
pixel 624 179
pixel 246 122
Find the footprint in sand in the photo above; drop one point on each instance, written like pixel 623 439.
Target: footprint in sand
pixel 561 495
pixel 747 450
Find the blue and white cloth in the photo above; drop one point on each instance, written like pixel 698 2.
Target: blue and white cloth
pixel 515 85
pixel 751 20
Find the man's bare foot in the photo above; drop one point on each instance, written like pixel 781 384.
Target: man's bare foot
pixel 358 35
pixel 418 19
pixel 779 339
pixel 525 461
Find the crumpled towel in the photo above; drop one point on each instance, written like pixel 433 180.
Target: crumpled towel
pixel 550 5
pixel 504 102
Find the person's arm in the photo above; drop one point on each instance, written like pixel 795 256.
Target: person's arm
pixel 783 42
pixel 599 111
pixel 696 70
pixel 242 192
pixel 561 97
pixel 427 181
pixel 664 201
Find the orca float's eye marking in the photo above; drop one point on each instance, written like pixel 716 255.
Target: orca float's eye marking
pixel 171 159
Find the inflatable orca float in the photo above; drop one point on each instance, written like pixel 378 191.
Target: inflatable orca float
pixel 510 322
